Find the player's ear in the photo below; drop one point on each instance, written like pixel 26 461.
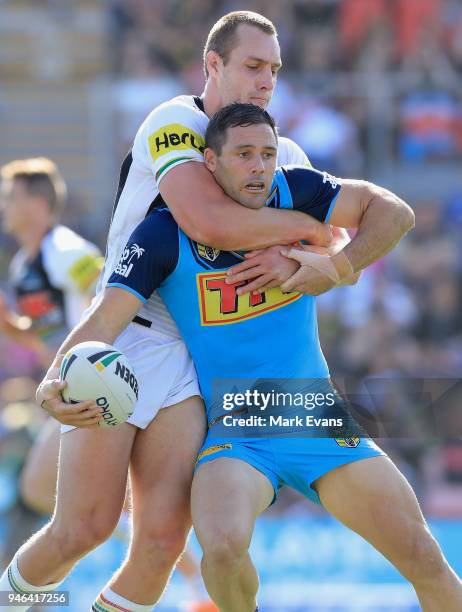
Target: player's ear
pixel 210 159
pixel 214 62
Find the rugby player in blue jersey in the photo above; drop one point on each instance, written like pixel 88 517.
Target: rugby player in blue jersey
pixel 250 336
pixel 274 335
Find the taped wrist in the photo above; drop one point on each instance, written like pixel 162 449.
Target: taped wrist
pixel 322 264
pixel 342 265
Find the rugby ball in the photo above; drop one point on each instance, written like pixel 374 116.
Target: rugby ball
pixel 98 371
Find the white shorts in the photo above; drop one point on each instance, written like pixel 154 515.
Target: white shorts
pixel 164 369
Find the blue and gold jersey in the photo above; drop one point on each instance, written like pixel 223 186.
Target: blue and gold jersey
pixel 272 335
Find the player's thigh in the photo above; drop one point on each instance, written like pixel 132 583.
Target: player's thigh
pixel 93 469
pixel 41 467
pixel 227 496
pixel 162 463
pixel 373 498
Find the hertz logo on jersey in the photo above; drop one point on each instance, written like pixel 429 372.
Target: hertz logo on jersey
pixel 219 303
pixel 174 137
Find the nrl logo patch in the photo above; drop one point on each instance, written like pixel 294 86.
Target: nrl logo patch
pixel 351 442
pixel 207 252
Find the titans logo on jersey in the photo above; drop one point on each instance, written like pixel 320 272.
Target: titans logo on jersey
pixel 209 258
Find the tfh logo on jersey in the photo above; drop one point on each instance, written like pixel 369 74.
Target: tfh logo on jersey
pixel 219 303
pixel 174 137
pixel 125 265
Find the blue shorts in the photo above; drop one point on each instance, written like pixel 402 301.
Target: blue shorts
pixel 295 462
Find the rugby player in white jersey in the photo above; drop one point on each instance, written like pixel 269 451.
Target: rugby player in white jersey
pixel 241 60
pixel 52 276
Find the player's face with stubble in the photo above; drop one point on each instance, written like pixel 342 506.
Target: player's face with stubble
pixel 246 165
pixel 250 74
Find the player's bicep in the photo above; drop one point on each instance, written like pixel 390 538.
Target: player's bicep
pixel 189 190
pixel 350 204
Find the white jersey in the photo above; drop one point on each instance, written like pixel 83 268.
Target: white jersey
pixel 172 134
pixel 52 289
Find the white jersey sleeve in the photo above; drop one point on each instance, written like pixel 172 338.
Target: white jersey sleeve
pixel 71 262
pixel 173 134
pixel 290 153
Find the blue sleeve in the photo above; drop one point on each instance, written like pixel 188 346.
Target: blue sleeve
pixel 150 255
pixel 312 192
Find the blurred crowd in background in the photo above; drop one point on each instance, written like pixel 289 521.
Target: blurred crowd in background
pixel 347 64
pixel 371 89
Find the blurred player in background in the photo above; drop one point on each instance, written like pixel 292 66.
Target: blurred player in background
pixel 165 165
pixel 53 277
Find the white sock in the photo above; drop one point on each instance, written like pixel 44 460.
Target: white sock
pixel 12 582
pixel 109 601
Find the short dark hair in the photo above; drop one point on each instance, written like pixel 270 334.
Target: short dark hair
pixel 222 36
pixel 41 177
pixel 235 115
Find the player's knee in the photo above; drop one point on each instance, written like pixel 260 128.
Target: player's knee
pixel 424 560
pixel 161 544
pixel 79 535
pixel 225 548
